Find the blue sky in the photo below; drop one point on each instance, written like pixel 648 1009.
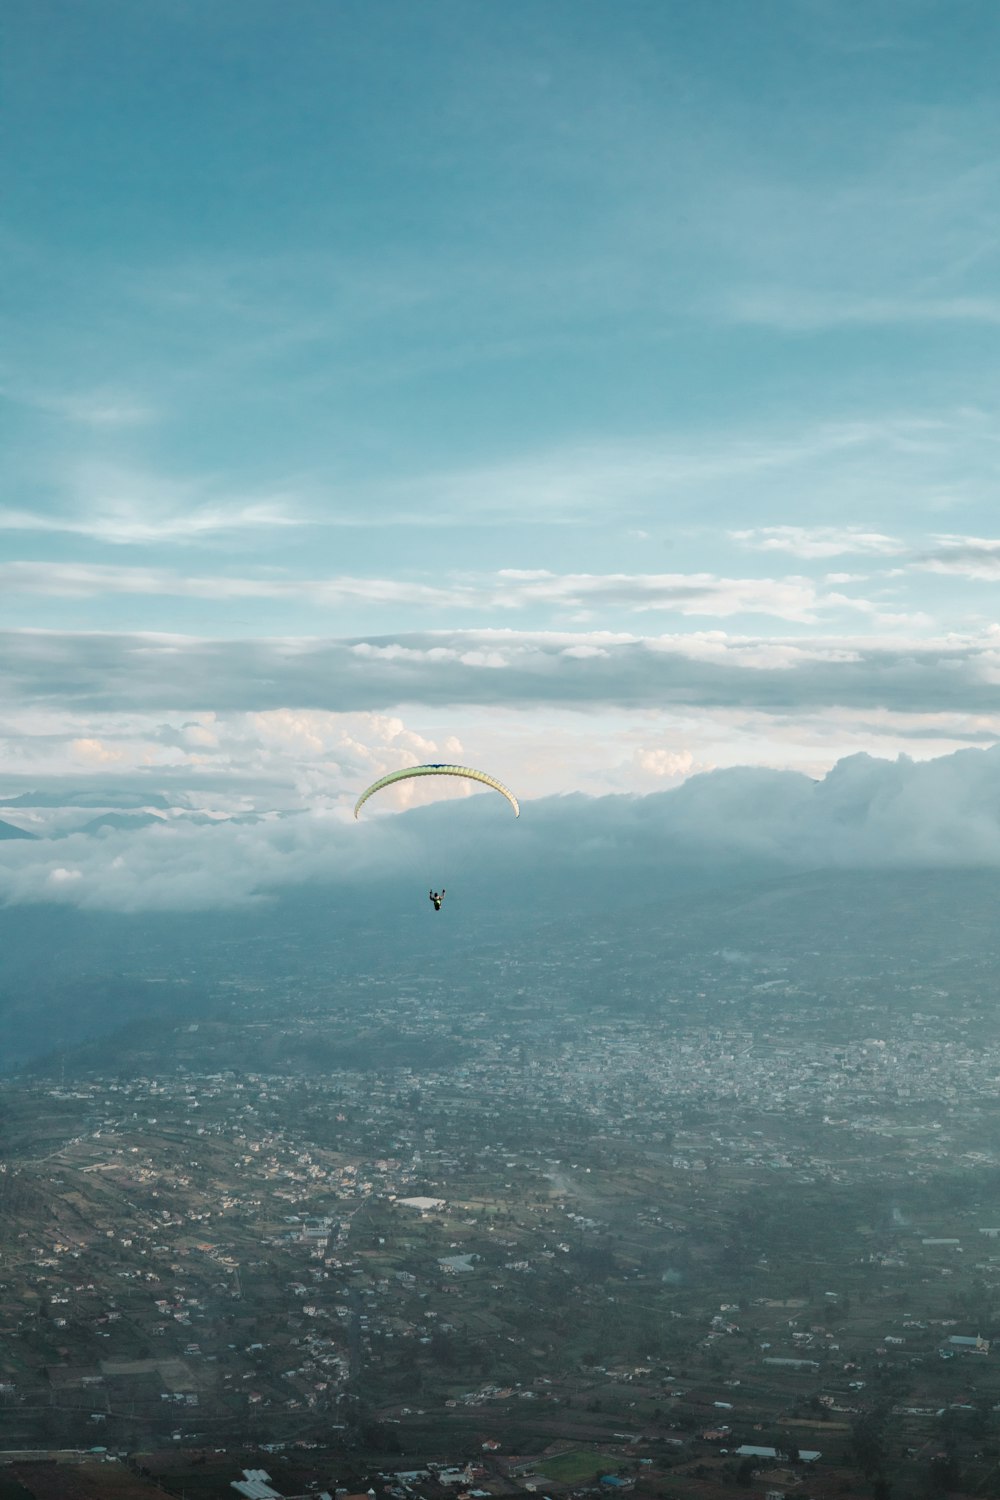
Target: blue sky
pixel 597 392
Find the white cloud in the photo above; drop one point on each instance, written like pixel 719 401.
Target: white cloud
pixel 963 557
pixel 878 613
pixel 818 541
pixel 665 763
pixel 95 752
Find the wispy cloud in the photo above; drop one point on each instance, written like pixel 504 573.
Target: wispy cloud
pixel 121 507
pixel 588 478
pixel 826 472
pixel 914 463
pixel 122 528
pixel 905 236
pixel 818 541
pixel 103 408
pixel 962 557
pixel 806 312
pixel 506 591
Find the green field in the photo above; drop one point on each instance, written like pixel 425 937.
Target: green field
pixel 582 1463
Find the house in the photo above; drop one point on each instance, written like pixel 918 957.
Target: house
pixel 749 1450
pixel 255 1485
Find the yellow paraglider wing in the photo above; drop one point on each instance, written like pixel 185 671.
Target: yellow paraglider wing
pixel 437 770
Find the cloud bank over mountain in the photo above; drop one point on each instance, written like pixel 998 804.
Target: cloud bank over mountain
pixel 865 814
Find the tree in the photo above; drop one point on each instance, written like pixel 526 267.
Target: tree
pixel 868 1443
pixel 942 1475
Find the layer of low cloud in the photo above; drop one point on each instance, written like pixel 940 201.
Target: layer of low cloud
pixel 706 669
pixel 864 814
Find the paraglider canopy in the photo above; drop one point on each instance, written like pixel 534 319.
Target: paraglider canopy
pixel 437 770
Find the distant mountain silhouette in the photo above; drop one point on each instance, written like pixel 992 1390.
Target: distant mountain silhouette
pixel 132 822
pixel 8 831
pixel 103 797
pixel 123 822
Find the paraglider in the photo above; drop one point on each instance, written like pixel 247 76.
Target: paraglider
pixel 437 770
pixel 436 897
